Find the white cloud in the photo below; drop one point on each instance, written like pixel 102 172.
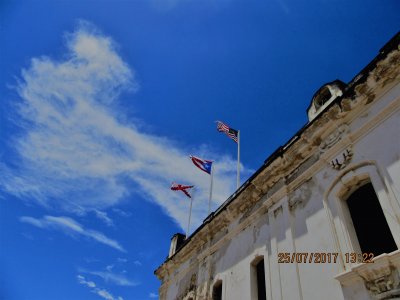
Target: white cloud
pixel 153 295
pixel 105 294
pixel 77 154
pixel 94 289
pixel 111 275
pixel 109 267
pixel 122 213
pixel 70 226
pixel 104 217
pixel 112 278
pixel 83 281
pixel 137 263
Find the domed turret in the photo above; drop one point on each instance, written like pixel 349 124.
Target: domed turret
pixel 324 96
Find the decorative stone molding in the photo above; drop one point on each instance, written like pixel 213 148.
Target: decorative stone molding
pixel 302 168
pixel 190 295
pixel 334 137
pixel 294 202
pixel 386 70
pixel 365 92
pixel 342 160
pixel 381 277
pixel 385 285
pixel 190 288
pixel 301 195
pixel 275 187
pixel 250 210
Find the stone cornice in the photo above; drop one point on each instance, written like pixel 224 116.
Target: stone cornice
pixel 381 277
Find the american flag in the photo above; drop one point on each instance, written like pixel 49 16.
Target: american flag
pixel 232 133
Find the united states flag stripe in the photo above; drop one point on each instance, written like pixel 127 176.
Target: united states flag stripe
pixel 230 132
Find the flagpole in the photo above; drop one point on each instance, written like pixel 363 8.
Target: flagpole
pixel 238 161
pixel 190 213
pixel 211 188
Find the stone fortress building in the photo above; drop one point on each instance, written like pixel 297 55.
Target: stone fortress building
pixel 320 219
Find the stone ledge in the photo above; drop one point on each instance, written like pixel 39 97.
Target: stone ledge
pixel 381 277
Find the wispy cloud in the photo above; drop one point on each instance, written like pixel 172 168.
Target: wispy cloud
pixel 71 227
pixel 76 152
pixel 104 217
pixel 109 268
pixel 122 213
pixel 94 289
pixel 153 295
pixel 113 278
pixel 137 263
pixel 106 295
pixel 83 281
pixel 112 274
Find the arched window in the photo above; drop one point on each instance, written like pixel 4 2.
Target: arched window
pixel 372 230
pixel 323 97
pixel 258 279
pixel 217 290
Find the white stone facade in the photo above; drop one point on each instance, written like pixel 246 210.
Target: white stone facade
pixel 296 204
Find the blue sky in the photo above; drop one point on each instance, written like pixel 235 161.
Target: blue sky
pixel 102 102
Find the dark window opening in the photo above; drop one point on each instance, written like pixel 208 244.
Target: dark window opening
pixel 217 291
pixel 260 280
pixel 323 97
pixel 373 232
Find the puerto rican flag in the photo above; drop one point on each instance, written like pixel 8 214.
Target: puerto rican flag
pixel 203 164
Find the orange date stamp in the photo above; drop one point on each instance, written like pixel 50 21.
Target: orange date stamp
pixel 359 258
pixel 307 257
pixel 323 257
